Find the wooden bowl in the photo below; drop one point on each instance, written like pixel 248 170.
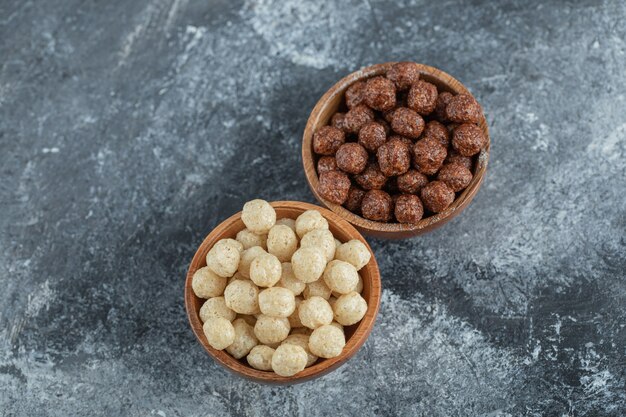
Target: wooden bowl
pixel 332 101
pixel 356 335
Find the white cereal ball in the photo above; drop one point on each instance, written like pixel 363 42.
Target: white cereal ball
pixel 282 242
pixel 291 223
pixel 315 312
pixel 322 239
pixel 317 289
pixel 294 319
pixel 332 300
pixel 327 341
pixel 302 330
pixel 359 285
pixel 248 318
pixel 260 357
pixel 308 264
pixel 206 283
pixel 277 302
pixel 216 307
pixel 249 239
pixel 350 308
pixel 224 256
pixel 242 297
pixel 354 252
pixel 341 277
pixel 288 280
pixel 310 220
pixel 337 244
pixel 337 325
pixel 244 341
pixel 288 360
pixel 247 257
pixel 236 276
pixel 219 332
pixel 258 216
pixel 301 340
pixel 265 270
pixel 271 329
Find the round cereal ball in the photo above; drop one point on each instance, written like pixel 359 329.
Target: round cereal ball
pixel 428 156
pixel 456 158
pixel 223 258
pixel 289 359
pixel 407 122
pixel 463 108
pixel 309 220
pixel 380 94
pixel 355 197
pixel 422 97
pixel 411 181
pixel 455 176
pixel 302 330
pixel 377 206
pixel 357 117
pixel 258 216
pixel 354 252
pixel 327 341
pixel 242 297
pixel 301 340
pixel 219 332
pixel 270 329
pixel 404 75
pixel 394 157
pixel 250 319
pixel 282 242
pixel 265 270
pixel 337 325
pixel 408 208
pixel 341 276
pixel 351 158
pixel 317 289
pixel 206 283
pixel 354 94
pixel 326 163
pixel 236 276
pixel 437 131
pixel 437 196
pixel 294 319
pixel 350 308
pixel 249 239
pixel 327 139
pixel 337 244
pixel 244 341
pixel 277 302
pixel 291 223
pixel 372 135
pixel 260 357
pixel 440 106
pixel 216 307
pixel 359 285
pixel 338 121
pixel 372 178
pixel 468 139
pixel 246 260
pixel 321 239
pixel 315 312
pixel 288 280
pixel 308 264
pixel 334 186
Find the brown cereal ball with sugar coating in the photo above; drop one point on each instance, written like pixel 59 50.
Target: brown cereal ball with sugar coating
pixel 456 176
pixel 422 97
pixel 334 186
pixel 437 196
pixel 219 332
pixel 357 117
pixel 404 75
pixel 372 178
pixel 289 359
pixel 384 124
pixel 456 158
pixel 327 139
pixel 468 139
pixel 351 158
pixel 380 94
pixel 408 208
pixel 244 341
pixel 350 308
pixel 206 283
pixel 377 206
pixel 438 131
pixel 428 156
pixel 407 122
pixel 271 330
pixel 260 357
pixel 327 341
pixel 355 197
pixel 394 157
pixel 463 108
pixel 354 94
pixel 372 135
pixel 411 181
pixel 338 120
pixel 242 297
pixel 326 164
pixel 440 105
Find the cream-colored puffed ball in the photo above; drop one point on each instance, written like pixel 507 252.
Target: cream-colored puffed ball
pixel 341 277
pixel 317 289
pixel 219 332
pixel 224 256
pixel 350 308
pixel 327 341
pixel 294 318
pixel 270 329
pixel 332 300
pixel 277 302
pixel 310 220
pixel 206 283
pixel 265 270
pixel 322 239
pixel 291 223
pixel 288 280
pixel 308 264
pixel 301 340
pixel 236 276
pixel 337 325
pixel 242 297
pixel 337 243
pixel 288 360
pixel 359 285
pixel 260 357
pixel 248 318
pixel 249 239
pixel 354 252
pixel 247 257
pixel 244 341
pixel 315 312
pixel 216 307
pixel 258 216
pixel 282 242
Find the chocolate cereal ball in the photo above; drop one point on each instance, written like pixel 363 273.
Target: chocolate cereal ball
pixel 411 181
pixel 407 122
pixel 440 105
pixel 327 140
pixel 325 164
pixel 372 135
pixel 377 206
pixel 394 157
pixel 380 94
pixel 404 75
pixel 357 117
pixel 422 97
pixel 408 208
pixel 456 176
pixel 468 139
pixel 463 108
pixel 437 196
pixel 438 131
pixel 351 158
pixel 372 178
pixel 385 125
pixel 456 158
pixel 333 186
pixel 428 156
pixel 354 94
pixel 337 120
pixel 355 197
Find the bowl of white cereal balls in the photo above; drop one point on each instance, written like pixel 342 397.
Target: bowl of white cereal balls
pixel 282 292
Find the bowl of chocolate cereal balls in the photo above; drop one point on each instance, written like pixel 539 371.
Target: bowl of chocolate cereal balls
pixel 396 149
pixel 282 292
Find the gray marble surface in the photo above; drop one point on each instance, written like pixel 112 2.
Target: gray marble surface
pixel 129 129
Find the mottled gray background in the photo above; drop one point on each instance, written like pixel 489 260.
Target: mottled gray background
pixel 128 129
